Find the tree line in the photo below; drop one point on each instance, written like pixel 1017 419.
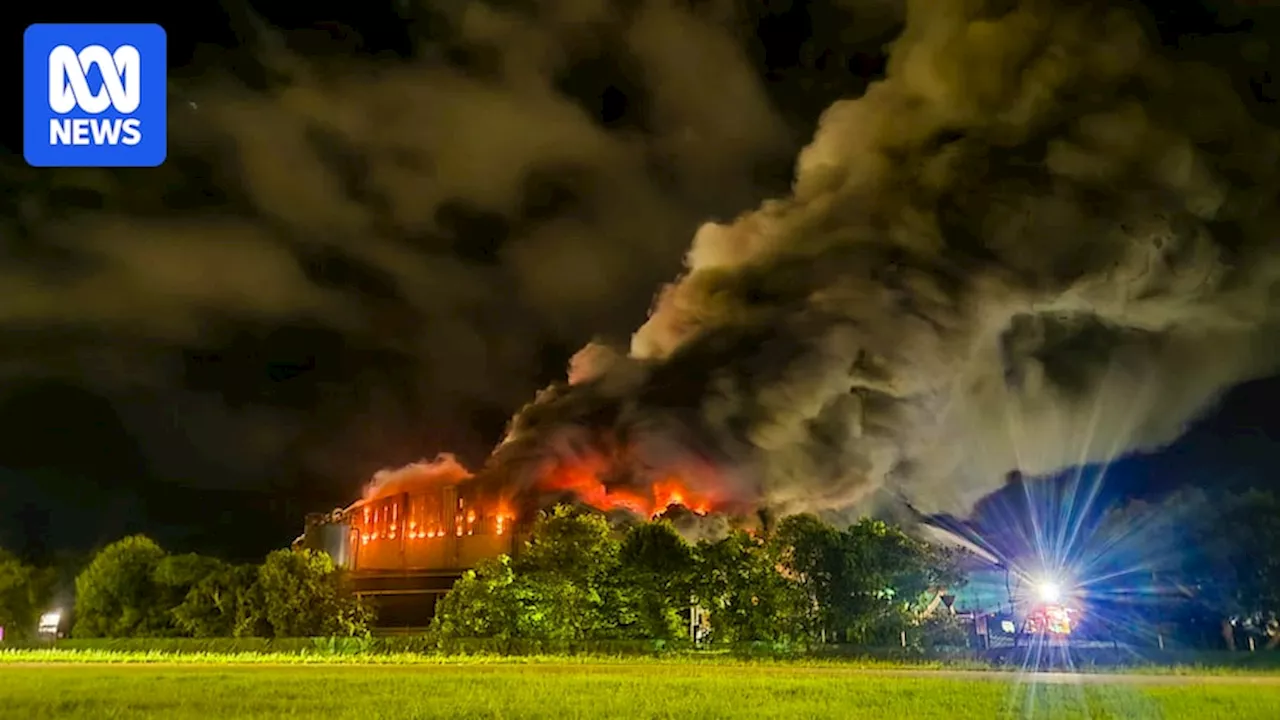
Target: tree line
pixel 134 588
pixel 806 581
pixel 576 578
pixel 579 578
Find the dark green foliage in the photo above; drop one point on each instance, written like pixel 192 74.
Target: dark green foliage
pixel 1237 542
pixel 302 595
pixel 483 604
pixel 117 594
pixel 866 584
pixel 132 588
pixel 939 631
pixel 577 581
pixel 224 603
pixel 659 568
pixel 177 575
pixel 748 599
pixel 566 585
pixel 24 590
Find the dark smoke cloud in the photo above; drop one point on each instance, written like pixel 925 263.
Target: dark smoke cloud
pixel 1039 241
pixel 445 216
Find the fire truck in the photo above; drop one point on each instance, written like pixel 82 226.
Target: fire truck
pixel 1047 615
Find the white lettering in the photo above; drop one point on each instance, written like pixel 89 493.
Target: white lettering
pixel 106 133
pixel 95 131
pixel 132 131
pixel 59 132
pixel 80 131
pixel 121 79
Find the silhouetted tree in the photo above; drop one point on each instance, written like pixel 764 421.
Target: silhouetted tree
pixel 658 567
pixel 24 590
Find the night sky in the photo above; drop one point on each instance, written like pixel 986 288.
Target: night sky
pixel 207 351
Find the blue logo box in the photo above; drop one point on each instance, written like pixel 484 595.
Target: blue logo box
pixel 93 95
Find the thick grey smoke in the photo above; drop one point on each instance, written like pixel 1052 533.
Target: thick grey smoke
pixel 1037 242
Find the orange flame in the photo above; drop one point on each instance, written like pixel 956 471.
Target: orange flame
pixel 383 520
pixel 582 478
pixel 503 516
pixel 671 492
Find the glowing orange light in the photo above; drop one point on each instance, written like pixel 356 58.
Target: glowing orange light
pixel 501 515
pixel 583 478
pixel 671 492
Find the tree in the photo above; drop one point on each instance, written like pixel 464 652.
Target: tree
pixel 24 590
pixel 738 581
pixel 225 603
pixel 482 604
pixel 812 554
pixel 176 575
pixel 658 566
pixel 865 583
pixel 304 595
pixel 565 584
pixel 1232 555
pixel 885 576
pixel 569 586
pixel 117 595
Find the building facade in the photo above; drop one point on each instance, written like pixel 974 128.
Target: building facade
pixel 405 550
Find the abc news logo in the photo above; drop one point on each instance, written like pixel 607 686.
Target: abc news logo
pixel 94 95
pixel 69 89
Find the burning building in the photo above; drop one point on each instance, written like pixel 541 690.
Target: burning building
pixel 413 534
pixel 1015 249
pixel 418 528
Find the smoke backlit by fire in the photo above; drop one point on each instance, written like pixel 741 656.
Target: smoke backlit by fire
pixel 584 479
pixel 444 470
pixel 1039 242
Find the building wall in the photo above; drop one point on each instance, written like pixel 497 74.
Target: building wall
pixel 437 528
pixel 405 551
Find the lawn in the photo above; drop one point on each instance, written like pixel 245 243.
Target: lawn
pixel 586 690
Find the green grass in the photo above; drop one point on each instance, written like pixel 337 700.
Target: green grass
pixel 310 653
pixel 591 689
pixel 163 657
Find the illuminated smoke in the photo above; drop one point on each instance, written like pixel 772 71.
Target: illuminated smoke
pixel 1036 243
pixel 445 214
pixel 444 470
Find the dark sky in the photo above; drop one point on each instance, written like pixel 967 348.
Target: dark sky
pixel 209 350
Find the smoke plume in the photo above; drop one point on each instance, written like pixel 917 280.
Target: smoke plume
pixel 1038 242
pixel 443 470
pixel 435 219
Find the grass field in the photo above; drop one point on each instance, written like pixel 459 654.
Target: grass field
pixel 179 691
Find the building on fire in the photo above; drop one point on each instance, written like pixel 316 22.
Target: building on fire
pixel 405 549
